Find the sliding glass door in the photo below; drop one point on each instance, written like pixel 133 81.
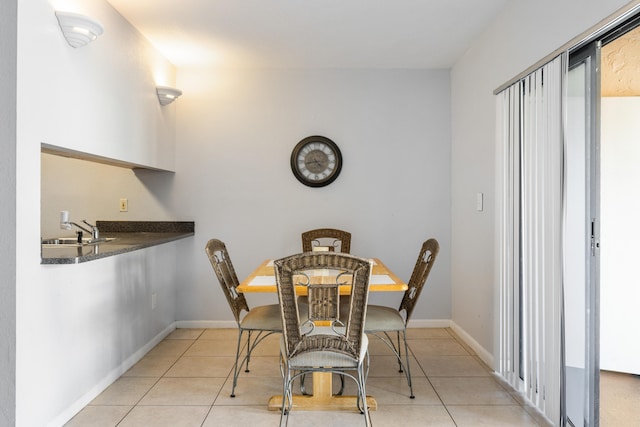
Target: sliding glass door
pixel 581 240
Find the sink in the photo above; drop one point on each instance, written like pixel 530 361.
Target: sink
pixel 73 241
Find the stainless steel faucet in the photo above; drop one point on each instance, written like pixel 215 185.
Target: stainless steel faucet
pixel 93 230
pixel 95 233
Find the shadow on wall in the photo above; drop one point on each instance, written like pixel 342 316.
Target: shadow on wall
pixel 159 184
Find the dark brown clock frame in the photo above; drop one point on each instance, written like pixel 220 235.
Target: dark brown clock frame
pixel 316 161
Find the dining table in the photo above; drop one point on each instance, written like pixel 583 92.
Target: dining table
pixel 263 280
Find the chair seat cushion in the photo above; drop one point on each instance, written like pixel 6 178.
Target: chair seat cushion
pixel 326 359
pixel 383 319
pixel 263 317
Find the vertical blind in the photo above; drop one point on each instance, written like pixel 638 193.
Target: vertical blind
pixel 530 193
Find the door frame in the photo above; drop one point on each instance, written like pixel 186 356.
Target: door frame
pixel 590 56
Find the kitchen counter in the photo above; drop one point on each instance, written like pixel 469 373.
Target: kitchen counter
pixel 127 236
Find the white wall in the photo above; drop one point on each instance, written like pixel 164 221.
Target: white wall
pixel 92 191
pixel 523 34
pixel 88 324
pixel 8 33
pixel 619 234
pixel 236 130
pixel 80 326
pixel 93 86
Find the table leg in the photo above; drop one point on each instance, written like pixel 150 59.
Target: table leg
pixel 322 398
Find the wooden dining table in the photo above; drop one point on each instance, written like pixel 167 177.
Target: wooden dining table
pixel 263 280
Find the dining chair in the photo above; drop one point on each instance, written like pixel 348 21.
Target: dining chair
pixel 323 240
pixel 383 321
pixel 261 320
pixel 321 342
pixel 330 239
pixel 326 240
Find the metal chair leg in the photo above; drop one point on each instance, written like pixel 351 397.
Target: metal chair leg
pixel 399 351
pixel 249 348
pixel 408 367
pixel 236 368
pixel 362 393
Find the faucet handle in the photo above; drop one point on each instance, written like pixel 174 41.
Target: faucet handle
pixel 95 233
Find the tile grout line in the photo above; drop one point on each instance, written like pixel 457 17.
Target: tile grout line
pixel 433 387
pixel 137 404
pixel 421 341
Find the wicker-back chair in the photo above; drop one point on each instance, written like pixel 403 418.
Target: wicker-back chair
pixel 263 320
pixel 382 320
pixel 331 239
pixel 323 343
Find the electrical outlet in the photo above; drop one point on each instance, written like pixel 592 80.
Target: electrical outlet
pixel 124 205
pixel 154 301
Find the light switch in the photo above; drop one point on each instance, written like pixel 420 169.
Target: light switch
pixel 479 202
pixel 124 205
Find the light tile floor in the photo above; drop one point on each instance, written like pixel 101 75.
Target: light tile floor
pixel 186 381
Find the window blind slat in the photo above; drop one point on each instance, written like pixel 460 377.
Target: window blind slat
pixel 530 149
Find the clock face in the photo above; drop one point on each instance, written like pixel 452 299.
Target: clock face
pixel 316 161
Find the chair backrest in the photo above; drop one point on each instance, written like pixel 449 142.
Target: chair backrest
pixel 336 240
pixel 336 269
pixel 221 263
pixel 426 258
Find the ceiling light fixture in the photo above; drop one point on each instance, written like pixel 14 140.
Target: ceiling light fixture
pixel 166 95
pixel 78 29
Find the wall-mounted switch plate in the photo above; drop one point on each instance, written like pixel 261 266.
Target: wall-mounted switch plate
pixel 124 205
pixel 479 202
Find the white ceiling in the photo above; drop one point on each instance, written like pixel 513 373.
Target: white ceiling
pixel 311 33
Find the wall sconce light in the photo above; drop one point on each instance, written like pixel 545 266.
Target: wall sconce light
pixel 78 29
pixel 166 95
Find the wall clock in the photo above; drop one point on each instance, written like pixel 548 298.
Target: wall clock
pixel 316 161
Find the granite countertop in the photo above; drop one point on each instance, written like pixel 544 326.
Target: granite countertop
pixel 127 236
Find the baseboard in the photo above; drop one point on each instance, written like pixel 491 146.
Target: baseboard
pixel 429 323
pixel 482 353
pixel 206 324
pixel 110 378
